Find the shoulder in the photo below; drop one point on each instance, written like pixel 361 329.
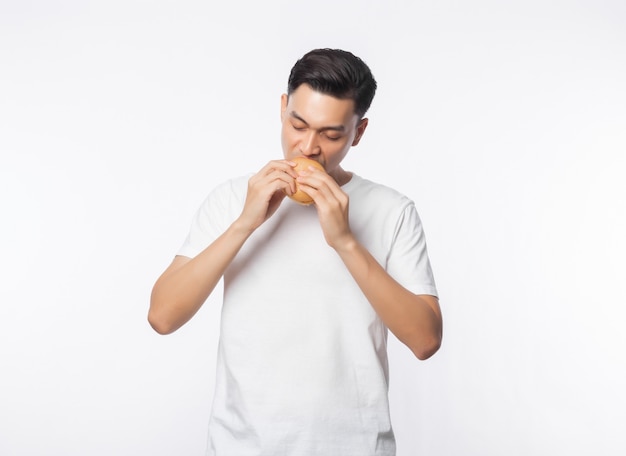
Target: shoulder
pixel 224 201
pixel 229 191
pixel 374 194
pixel 380 209
pixel 234 185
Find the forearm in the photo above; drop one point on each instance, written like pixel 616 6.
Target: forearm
pixel 182 289
pixel 413 319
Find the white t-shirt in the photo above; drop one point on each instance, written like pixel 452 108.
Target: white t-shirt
pixel 302 361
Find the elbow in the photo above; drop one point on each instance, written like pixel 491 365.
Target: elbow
pixel 159 317
pixel 160 324
pixel 426 349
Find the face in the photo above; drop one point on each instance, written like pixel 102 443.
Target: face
pixel 320 127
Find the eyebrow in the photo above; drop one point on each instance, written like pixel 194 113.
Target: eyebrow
pixel 339 128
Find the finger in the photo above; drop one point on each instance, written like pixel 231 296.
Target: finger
pixel 285 180
pixel 319 183
pixel 285 166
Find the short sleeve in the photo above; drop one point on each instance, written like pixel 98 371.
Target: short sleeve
pixel 218 210
pixel 408 260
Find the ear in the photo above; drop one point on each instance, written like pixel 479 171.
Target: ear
pixel 360 129
pixel 283 106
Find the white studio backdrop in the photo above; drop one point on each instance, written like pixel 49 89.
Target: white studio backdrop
pixel 504 121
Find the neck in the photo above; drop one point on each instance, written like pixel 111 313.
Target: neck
pixel 341 177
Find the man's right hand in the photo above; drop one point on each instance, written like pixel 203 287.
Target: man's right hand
pixel 266 191
pixel 186 284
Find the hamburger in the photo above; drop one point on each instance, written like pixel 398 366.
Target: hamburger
pixel 302 164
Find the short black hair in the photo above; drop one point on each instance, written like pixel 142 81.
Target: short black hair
pixel 335 72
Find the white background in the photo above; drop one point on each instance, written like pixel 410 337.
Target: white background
pixel 504 121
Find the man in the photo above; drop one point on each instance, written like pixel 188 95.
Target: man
pixel 309 291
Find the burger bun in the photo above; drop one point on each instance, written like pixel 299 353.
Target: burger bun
pixel 302 164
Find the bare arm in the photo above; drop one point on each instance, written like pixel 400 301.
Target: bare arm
pixel 414 319
pixel 184 286
pixel 187 282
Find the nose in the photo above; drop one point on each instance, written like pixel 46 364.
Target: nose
pixel 309 145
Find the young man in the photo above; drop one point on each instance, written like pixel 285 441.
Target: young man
pixel 309 291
